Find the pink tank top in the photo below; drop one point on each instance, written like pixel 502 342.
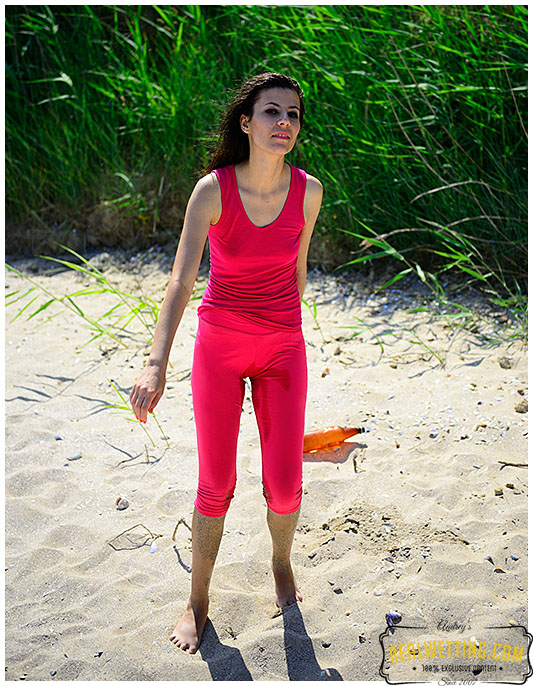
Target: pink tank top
pixel 252 276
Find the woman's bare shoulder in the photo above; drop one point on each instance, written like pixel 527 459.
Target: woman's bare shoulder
pixel 313 197
pixel 314 186
pixel 207 190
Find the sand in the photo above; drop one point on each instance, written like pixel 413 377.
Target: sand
pixel 400 519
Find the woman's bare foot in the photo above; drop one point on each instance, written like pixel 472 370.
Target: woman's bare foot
pixel 287 592
pixel 187 633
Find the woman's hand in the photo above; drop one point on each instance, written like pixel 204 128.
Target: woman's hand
pixel 147 391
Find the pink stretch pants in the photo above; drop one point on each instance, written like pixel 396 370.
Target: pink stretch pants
pixel 275 361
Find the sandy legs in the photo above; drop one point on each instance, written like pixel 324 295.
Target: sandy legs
pixel 206 536
pixel 282 528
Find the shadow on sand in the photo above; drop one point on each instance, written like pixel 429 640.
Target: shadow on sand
pixel 226 663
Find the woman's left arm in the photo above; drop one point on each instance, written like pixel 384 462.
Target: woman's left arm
pixel 312 204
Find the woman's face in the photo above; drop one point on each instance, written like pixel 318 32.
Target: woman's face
pixel 275 123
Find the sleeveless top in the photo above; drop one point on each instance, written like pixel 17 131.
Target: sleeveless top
pixel 252 278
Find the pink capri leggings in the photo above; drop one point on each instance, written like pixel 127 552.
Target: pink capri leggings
pixel 275 361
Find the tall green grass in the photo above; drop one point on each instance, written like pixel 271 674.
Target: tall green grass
pixel 416 127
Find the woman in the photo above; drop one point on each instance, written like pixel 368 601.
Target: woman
pixel 259 213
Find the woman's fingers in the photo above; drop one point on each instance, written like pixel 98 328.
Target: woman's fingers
pixel 139 402
pixel 143 401
pixel 143 406
pixel 146 392
pixel 155 400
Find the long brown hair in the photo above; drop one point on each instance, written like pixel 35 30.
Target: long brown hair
pixel 231 144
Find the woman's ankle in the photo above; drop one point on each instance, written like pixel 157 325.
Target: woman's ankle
pixel 198 601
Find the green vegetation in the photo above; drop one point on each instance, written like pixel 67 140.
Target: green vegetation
pixel 415 125
pixel 128 306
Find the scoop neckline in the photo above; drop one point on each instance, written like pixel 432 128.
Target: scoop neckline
pixel 242 204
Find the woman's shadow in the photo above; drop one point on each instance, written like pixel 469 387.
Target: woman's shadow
pixel 226 663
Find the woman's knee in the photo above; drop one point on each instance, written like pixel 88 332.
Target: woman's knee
pixel 213 503
pixel 282 499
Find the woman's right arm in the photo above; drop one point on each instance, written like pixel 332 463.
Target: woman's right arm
pixel 201 208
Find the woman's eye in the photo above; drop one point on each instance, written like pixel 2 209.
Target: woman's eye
pixel 294 115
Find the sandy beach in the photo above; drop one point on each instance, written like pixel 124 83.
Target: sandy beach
pixel 425 515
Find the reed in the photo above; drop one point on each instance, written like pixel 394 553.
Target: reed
pixel 129 306
pixel 363 326
pixel 313 311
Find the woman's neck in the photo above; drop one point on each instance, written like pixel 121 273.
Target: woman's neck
pixel 263 175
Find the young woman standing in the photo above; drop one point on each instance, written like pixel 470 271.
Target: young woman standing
pixel 259 213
